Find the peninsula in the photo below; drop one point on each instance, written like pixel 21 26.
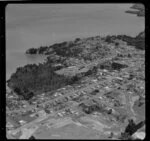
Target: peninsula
pixel 139 10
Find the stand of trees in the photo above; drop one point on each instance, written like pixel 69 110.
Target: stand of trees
pixel 24 93
pixel 138 41
pixel 33 79
pixel 32 138
pixel 39 50
pixel 131 128
pixel 112 66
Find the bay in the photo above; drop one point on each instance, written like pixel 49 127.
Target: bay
pixel 33 25
pixel 19 59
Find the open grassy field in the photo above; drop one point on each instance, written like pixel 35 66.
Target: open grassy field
pixel 62 129
pixel 70 131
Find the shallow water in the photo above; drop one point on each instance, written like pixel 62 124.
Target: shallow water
pixel 19 59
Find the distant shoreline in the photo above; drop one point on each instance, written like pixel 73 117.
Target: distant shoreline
pixel 140 10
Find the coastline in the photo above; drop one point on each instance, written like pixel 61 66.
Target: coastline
pixel 101 78
pixel 47 50
pixel 63 55
pixel 140 10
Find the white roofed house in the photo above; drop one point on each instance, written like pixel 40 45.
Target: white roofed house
pixel 24 105
pixel 104 70
pixel 139 135
pixel 94 80
pixel 58 65
pixel 43 94
pixel 32 115
pixel 42 113
pixel 57 94
pixel 60 114
pixel 22 122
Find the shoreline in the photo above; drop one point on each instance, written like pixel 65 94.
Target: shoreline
pixel 46 50
pixel 139 10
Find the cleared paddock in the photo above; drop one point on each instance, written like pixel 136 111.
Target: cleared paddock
pixel 70 131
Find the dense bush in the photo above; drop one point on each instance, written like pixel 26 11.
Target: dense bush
pixel 42 49
pixel 77 39
pixel 138 41
pixel 33 78
pixel 112 66
pixel 24 93
pixel 66 49
pixel 117 66
pixel 31 51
